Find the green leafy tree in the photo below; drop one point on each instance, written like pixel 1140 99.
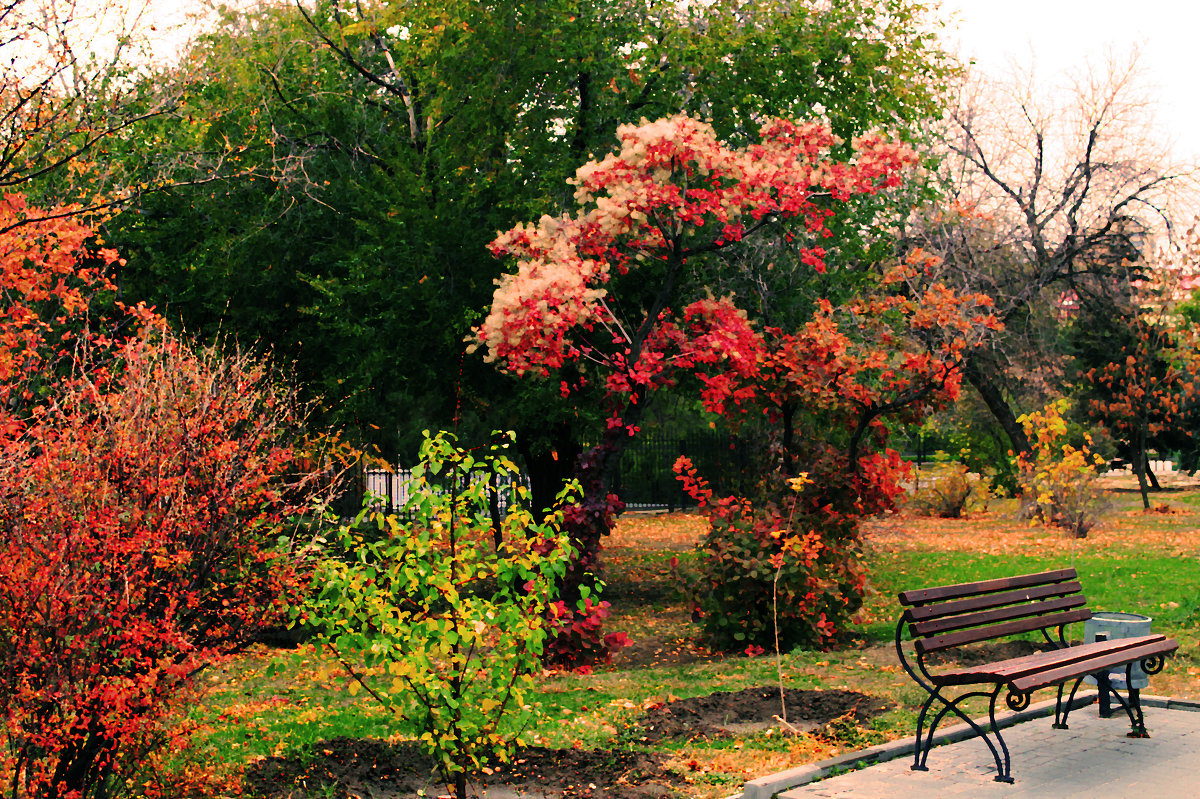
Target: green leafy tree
pixel 344 171
pixel 441 617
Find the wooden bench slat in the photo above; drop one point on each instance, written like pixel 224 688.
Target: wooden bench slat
pixel 1042 679
pixel 943 592
pixel 925 612
pixel 975 635
pixel 1015 668
pixel 965 620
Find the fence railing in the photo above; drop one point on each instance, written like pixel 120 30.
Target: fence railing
pixel 645 478
pixel 394 488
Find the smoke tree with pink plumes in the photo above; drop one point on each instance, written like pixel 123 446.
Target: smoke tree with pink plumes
pixel 608 296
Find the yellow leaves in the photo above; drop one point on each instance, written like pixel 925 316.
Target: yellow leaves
pixel 1057 477
pixel 798 482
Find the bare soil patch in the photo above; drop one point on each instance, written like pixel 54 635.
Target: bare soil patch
pixel 990 652
pixel 755 709
pixel 352 768
pixel 349 768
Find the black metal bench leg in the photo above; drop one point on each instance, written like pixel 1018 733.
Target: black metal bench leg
pixel 1104 685
pixel 925 741
pixel 1060 710
pixel 1139 724
pixel 1150 665
pixel 921 752
pixel 1004 772
pixel 1131 705
pixel 1135 703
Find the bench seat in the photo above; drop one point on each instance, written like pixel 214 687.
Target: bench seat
pixel 1043 669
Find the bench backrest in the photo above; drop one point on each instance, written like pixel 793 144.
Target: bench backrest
pixel 953 615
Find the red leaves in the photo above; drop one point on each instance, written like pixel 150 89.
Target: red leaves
pixel 580 632
pixel 1145 393
pixel 694 485
pixel 599 287
pixel 140 502
pixel 671 190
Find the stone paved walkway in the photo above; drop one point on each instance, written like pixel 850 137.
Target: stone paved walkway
pixel 1092 759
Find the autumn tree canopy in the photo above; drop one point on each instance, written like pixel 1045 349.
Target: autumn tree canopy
pixel 1051 204
pixel 608 295
pixel 345 170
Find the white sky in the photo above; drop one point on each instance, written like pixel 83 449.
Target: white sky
pixel 1060 35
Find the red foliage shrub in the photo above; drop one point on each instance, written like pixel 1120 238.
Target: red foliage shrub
pixel 788 563
pixel 773 571
pixel 145 506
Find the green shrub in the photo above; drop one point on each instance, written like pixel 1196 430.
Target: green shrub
pixel 438 618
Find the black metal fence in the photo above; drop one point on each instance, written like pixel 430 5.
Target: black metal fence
pixel 394 487
pixel 645 478
pixel 921 446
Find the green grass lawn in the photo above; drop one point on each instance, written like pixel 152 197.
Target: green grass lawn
pixel 286 702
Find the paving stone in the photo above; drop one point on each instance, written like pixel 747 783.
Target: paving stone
pixel 1092 759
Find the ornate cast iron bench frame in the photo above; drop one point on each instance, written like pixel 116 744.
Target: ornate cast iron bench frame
pixel 950 616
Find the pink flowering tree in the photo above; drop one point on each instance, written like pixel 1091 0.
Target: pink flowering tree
pixel 602 295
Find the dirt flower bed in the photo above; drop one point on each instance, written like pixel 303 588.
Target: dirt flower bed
pixel 347 768
pixel 755 710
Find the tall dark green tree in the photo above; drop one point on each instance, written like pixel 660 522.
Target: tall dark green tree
pixel 339 168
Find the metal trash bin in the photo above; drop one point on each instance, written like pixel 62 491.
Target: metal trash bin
pixel 1119 625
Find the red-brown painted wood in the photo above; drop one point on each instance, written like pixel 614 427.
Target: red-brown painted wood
pixel 986 601
pixel 939 593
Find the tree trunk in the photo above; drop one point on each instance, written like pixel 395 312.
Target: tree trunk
pixel 79 772
pixel 983 379
pixel 550 469
pixel 494 510
pixel 587 522
pixel 1151 477
pixel 1140 463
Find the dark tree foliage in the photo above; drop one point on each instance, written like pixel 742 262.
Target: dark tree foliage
pixel 339 169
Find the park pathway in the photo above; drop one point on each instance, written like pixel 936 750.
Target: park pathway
pixel 1092 759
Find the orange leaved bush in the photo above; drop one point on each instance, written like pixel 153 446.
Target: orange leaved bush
pixel 147 503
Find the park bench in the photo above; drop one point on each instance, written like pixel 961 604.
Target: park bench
pixel 949 617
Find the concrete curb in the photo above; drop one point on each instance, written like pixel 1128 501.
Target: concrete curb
pixel 772 784
pixel 1170 704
